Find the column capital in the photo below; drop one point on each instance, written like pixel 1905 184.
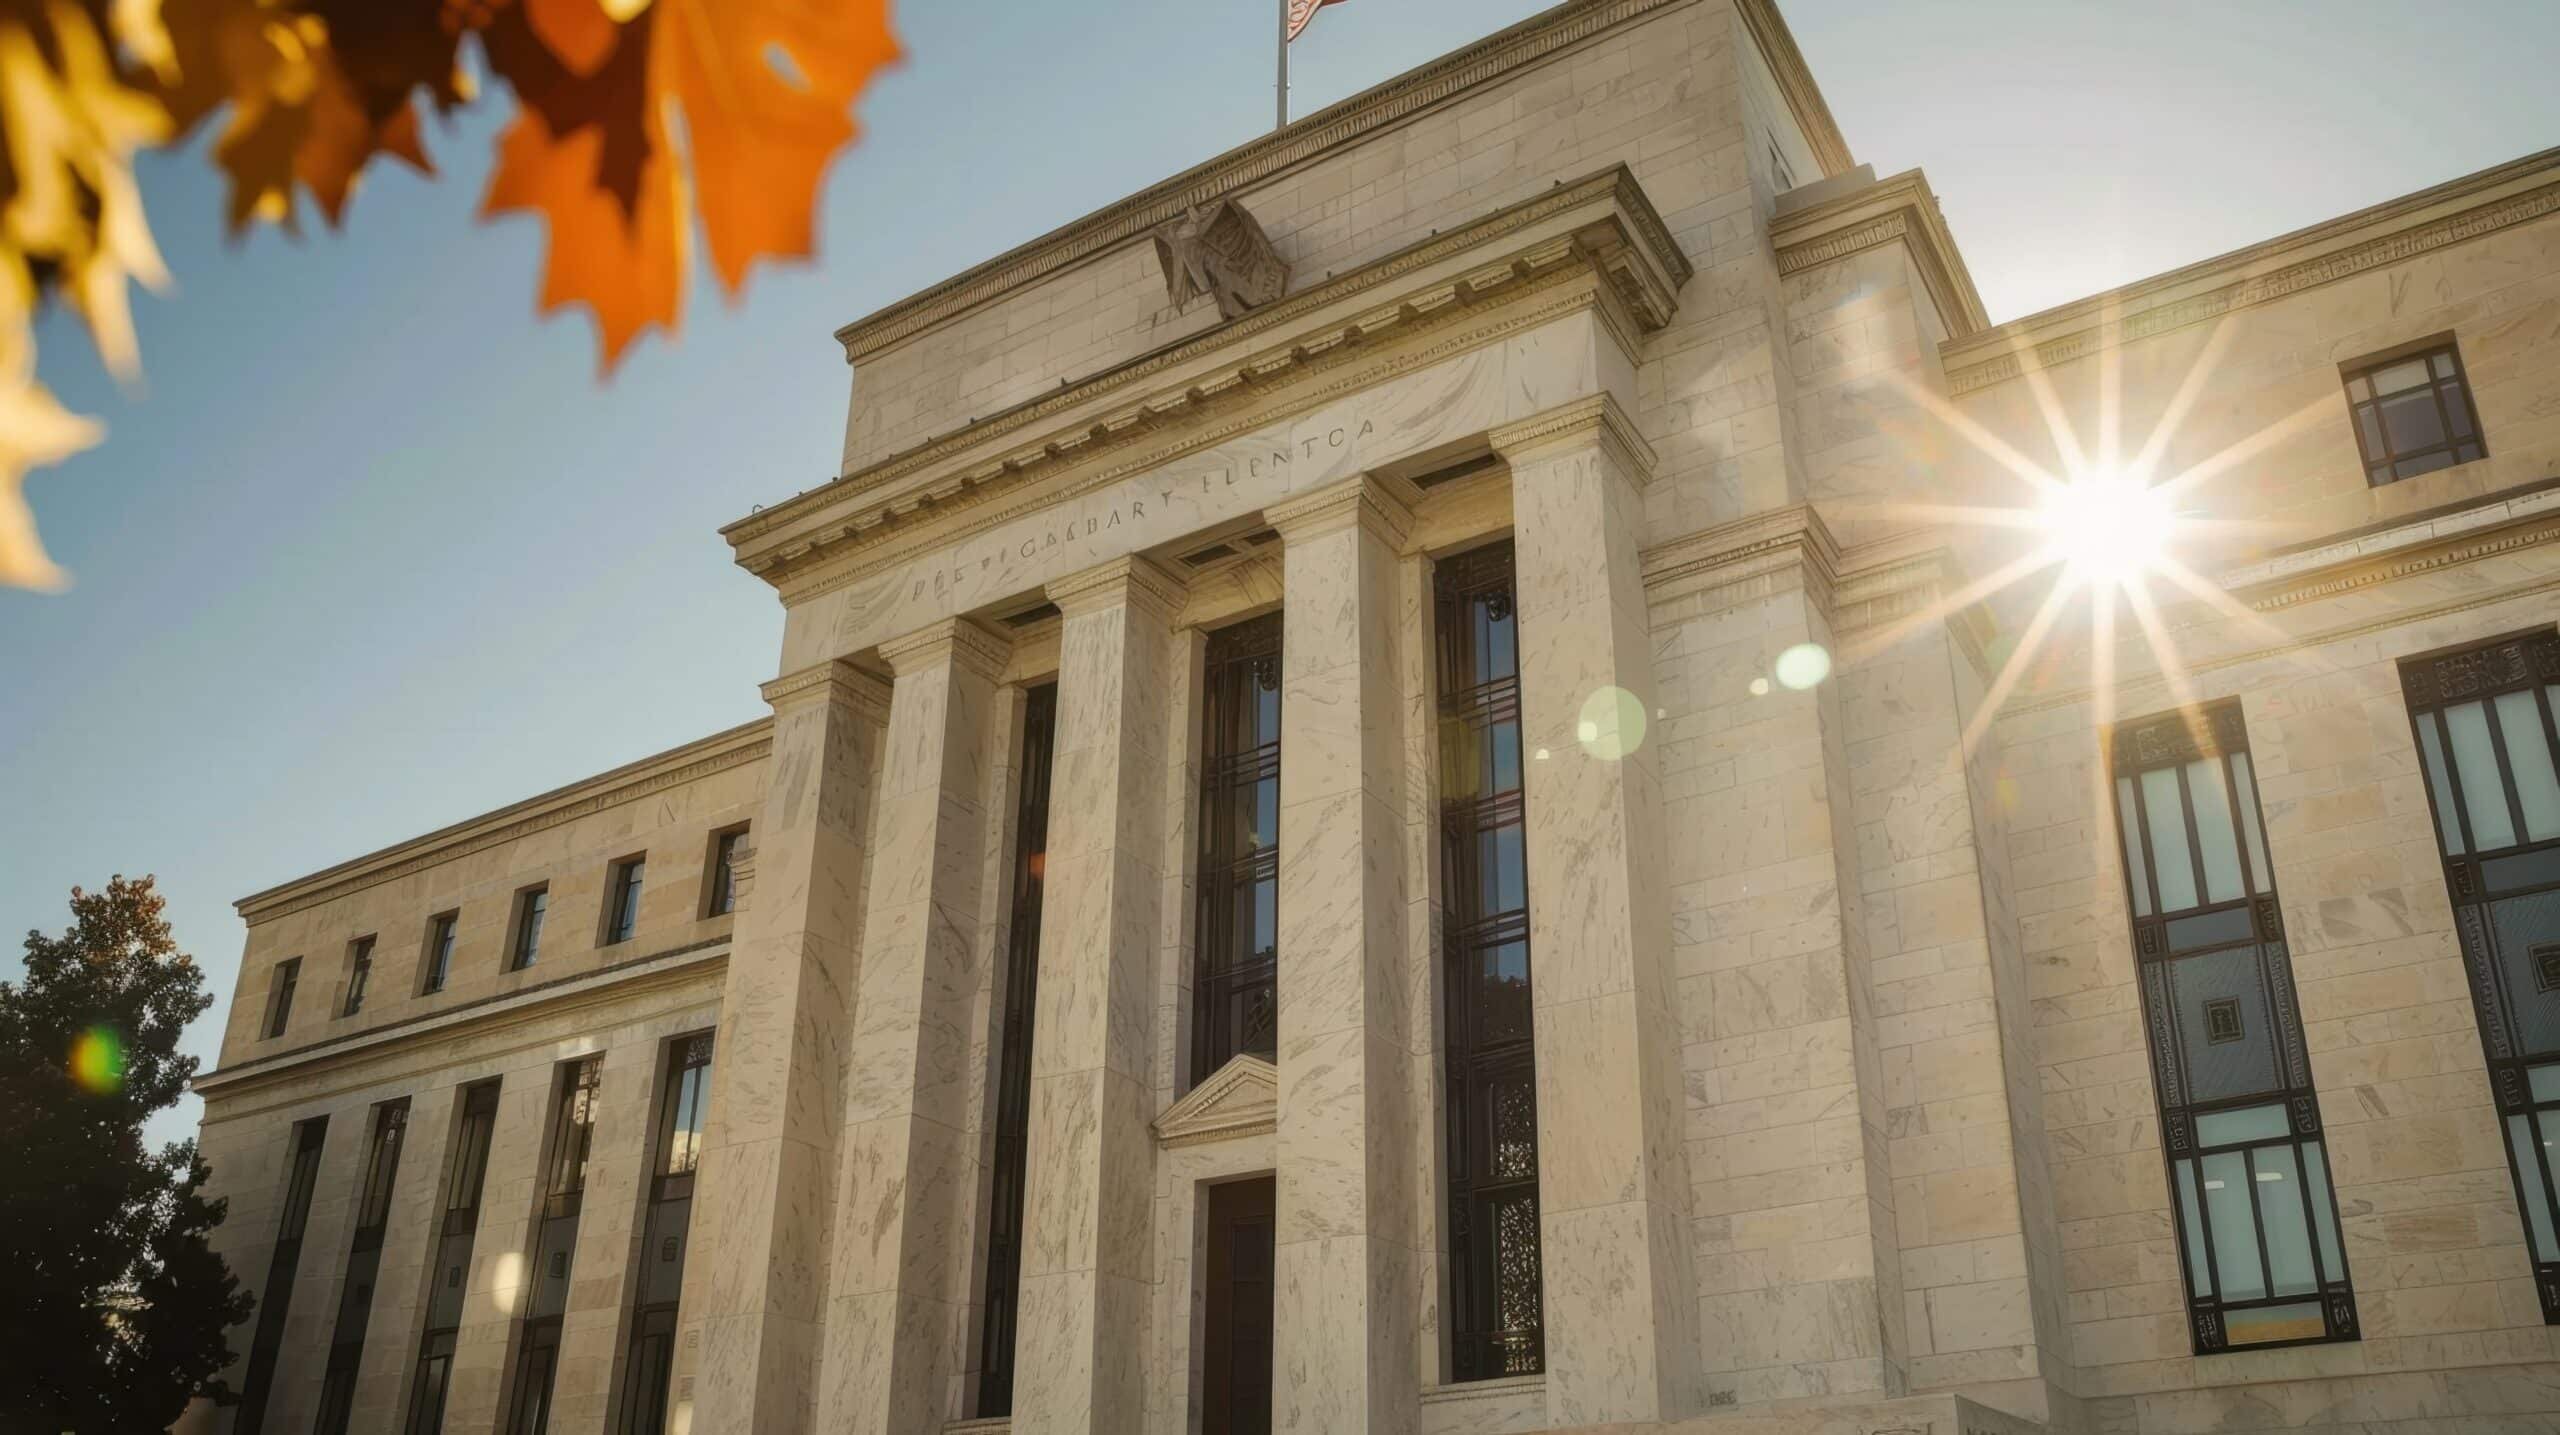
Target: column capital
pixel 1384 506
pixel 864 694
pixel 965 641
pixel 1593 421
pixel 1132 579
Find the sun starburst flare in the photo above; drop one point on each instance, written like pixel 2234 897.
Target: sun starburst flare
pixel 2099 528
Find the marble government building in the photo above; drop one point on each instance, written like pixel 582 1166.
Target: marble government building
pixel 1400 797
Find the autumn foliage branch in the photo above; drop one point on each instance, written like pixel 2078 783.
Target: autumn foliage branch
pixel 636 122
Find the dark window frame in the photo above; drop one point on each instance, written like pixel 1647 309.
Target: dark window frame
pixel 2204 928
pixel 1489 1048
pixel 568 1149
pixel 626 881
pixel 435 962
pixel 2480 882
pixel 524 929
pixel 359 974
pixel 1236 994
pixel 720 877
pixel 384 1139
pixel 648 1364
pixel 466 1181
pixel 2457 443
pixel 302 1176
pixel 281 984
pixel 1009 1161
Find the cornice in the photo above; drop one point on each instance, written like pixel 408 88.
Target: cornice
pixel 497 1011
pixel 1382 505
pixel 1623 240
pixel 864 694
pixel 2389 233
pixel 1241 1098
pixel 1490 60
pixel 1594 420
pixel 1127 579
pixel 675 767
pixel 962 641
pixel 1899 208
pixel 1780 541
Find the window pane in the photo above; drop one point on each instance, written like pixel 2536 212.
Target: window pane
pixel 2444 365
pixel 2408 373
pixel 2359 388
pixel 2253 1123
pixel 2235 1234
pixel 2475 763
pixel 2448 825
pixel 2369 429
pixel 2301 1321
pixel 1502 873
pixel 2168 820
pixel 2245 780
pixel 1502 1000
pixel 2457 408
pixel 2545 1082
pixel 2137 876
pixel 2324 1210
pixel 2215 838
pixel 2199 1274
pixel 2529 759
pixel 2537 1191
pixel 2412 421
pixel 2278 1178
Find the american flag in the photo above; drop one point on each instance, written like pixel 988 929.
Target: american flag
pixel 1301 11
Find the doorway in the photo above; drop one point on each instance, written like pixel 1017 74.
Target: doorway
pixel 1236 1384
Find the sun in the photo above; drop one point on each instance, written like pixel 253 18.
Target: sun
pixel 2108 528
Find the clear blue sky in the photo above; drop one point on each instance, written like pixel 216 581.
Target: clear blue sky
pixel 375 552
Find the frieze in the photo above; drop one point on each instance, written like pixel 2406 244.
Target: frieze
pixel 2165 316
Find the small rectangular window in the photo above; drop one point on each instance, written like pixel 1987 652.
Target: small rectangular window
pixel 531 905
pixel 622 900
pixel 2412 411
pixel 722 895
pixel 280 997
pixel 438 962
pixel 359 973
pixel 1237 982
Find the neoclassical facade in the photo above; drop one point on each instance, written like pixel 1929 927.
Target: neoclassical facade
pixel 1433 779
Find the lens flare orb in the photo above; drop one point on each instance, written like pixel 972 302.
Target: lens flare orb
pixel 97 1061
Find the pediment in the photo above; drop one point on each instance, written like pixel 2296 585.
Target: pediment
pixel 1241 1098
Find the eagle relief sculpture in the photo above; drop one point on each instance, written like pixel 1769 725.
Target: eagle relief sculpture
pixel 1217 249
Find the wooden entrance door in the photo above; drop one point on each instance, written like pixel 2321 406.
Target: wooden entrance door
pixel 1236 1390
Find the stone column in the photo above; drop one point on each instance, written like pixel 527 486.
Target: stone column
pixel 895 1311
pixel 765 1191
pixel 1344 1310
pixel 1613 1184
pixel 1080 1354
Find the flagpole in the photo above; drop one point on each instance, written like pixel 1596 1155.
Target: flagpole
pixel 1284 64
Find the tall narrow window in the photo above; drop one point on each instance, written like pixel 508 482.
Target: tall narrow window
pixel 280 995
pixel 1013 1055
pixel 723 895
pixel 1495 1292
pixel 2491 753
pixel 364 1262
pixel 439 957
pixel 661 1277
pixel 622 900
pixel 302 1172
pixel 2239 1122
pixel 457 1223
pixel 532 904
pixel 2413 411
pixel 1237 983
pixel 359 974
pixel 555 1246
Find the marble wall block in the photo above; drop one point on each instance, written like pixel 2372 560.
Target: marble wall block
pixel 1080 1357
pixel 1343 1307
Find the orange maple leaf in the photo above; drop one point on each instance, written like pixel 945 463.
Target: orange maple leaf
pixel 762 90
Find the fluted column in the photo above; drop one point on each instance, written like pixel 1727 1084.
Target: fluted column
pixel 765 1190
pixel 1079 1356
pixel 1344 1301
pixel 907 1168
pixel 1620 1300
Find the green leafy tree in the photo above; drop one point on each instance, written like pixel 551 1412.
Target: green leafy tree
pixel 117 1304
